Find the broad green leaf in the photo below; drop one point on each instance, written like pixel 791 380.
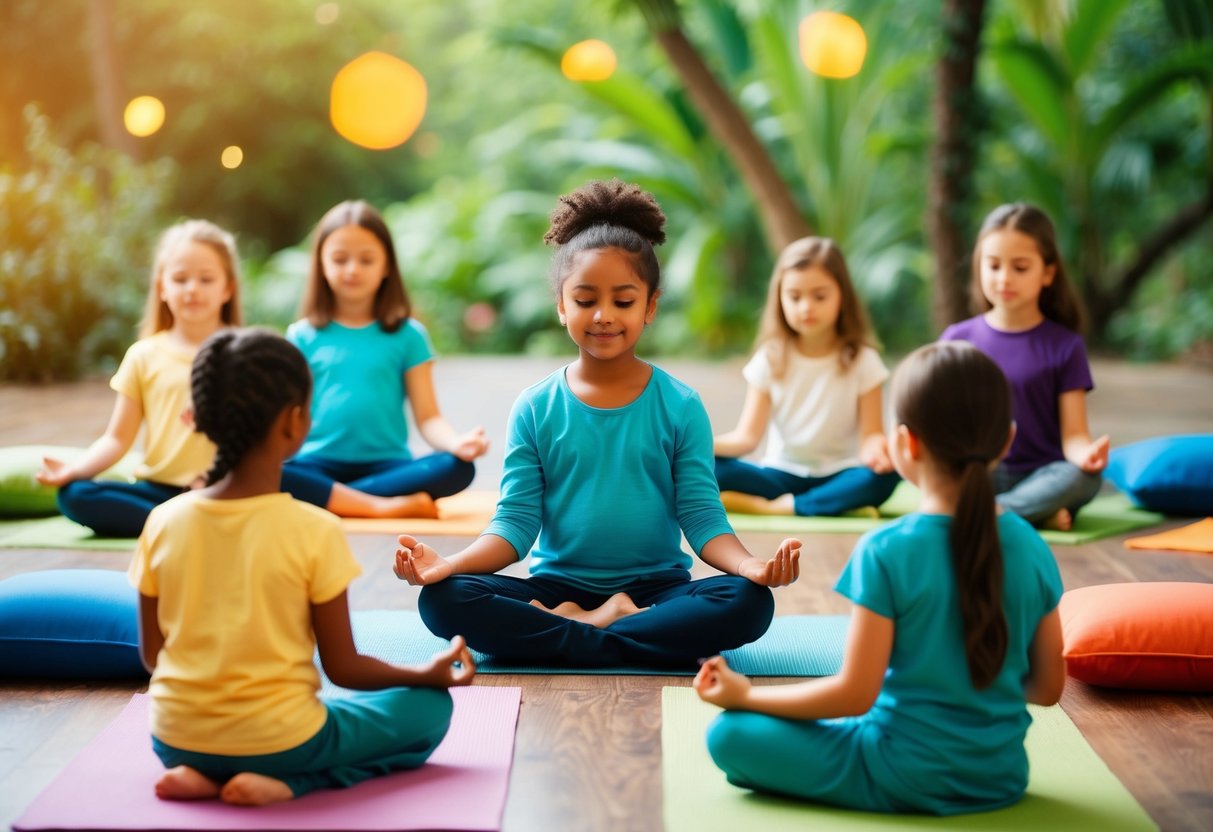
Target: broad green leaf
pixel 1041 87
pixel 1193 63
pixel 1087 32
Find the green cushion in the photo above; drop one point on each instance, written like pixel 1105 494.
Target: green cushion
pixel 23 496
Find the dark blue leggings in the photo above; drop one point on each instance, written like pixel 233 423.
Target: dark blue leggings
pixel 686 620
pixel 119 509
pixel 439 475
pixel 848 489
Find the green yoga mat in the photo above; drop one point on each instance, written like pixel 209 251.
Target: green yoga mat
pixel 1069 787
pixel 1106 515
pixel 795 645
pixel 58 533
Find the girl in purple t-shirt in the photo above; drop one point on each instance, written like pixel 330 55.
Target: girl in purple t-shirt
pixel 1029 325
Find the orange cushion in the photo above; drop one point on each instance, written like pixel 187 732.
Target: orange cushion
pixel 1151 636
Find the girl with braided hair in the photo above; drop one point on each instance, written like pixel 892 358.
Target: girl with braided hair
pixel 608 463
pixel 954 629
pixel 194 292
pixel 239 584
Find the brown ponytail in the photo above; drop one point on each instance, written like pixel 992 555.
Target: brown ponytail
pixel 958 403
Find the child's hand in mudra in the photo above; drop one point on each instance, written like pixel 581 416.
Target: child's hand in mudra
pixel 471 445
pixel 781 570
pixel 453 667
pixel 419 564
pixel 719 684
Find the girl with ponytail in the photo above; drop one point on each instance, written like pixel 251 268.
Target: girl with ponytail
pixel 954 630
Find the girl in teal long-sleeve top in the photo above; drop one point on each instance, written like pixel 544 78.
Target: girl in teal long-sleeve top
pixel 608 463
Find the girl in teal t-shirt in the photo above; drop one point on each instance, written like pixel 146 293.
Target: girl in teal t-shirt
pixel 954 629
pixel 368 356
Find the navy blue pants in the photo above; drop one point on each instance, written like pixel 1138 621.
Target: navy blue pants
pixel 439 475
pixel 686 620
pixel 848 489
pixel 119 509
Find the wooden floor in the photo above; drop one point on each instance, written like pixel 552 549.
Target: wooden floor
pixel 588 754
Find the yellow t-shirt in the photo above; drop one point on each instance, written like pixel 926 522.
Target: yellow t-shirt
pixel 156 373
pixel 235 581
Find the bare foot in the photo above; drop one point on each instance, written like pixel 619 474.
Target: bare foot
pixel 248 789
pixel 1062 521
pixel 185 783
pixel 410 505
pixel 750 504
pixel 620 605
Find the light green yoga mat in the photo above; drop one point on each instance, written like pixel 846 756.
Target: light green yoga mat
pixel 1069 787
pixel 58 533
pixel 1107 515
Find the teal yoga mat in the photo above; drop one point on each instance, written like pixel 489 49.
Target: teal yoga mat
pixel 795 645
pixel 1069 787
pixel 1105 516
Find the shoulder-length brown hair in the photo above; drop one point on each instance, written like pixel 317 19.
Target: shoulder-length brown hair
pixel 1058 301
pixel 775 334
pixel 157 317
pixel 392 307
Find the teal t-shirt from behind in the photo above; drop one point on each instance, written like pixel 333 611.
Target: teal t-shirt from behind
pixel 936 734
pixel 359 393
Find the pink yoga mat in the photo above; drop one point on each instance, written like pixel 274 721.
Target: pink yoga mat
pixel 109 783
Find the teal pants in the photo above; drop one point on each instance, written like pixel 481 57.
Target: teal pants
pixel 807 759
pixel 851 763
pixel 365 735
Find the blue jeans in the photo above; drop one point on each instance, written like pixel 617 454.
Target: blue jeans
pixel 119 509
pixel 366 735
pixel 687 620
pixel 439 474
pixel 835 494
pixel 1039 494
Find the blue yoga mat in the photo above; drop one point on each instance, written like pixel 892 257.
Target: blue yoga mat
pixel 795 645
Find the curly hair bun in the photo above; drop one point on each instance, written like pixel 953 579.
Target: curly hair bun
pixel 612 202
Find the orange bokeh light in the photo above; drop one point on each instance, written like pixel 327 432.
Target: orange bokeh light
pixel 143 116
pixel 377 101
pixel 832 45
pixel 589 60
pixel 231 157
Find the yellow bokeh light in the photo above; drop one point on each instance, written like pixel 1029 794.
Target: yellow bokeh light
pixel 589 60
pixel 832 45
pixel 231 157
pixel 143 116
pixel 327 13
pixel 377 101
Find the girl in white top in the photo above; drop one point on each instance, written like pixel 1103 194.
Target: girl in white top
pixel 816 379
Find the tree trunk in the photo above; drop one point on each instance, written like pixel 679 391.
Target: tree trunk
pixel 1124 283
pixel 781 219
pixel 958 120
pixel 108 94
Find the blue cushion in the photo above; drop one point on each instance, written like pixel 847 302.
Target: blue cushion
pixel 70 624
pixel 1171 474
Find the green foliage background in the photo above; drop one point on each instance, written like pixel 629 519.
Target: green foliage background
pixel 1091 111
